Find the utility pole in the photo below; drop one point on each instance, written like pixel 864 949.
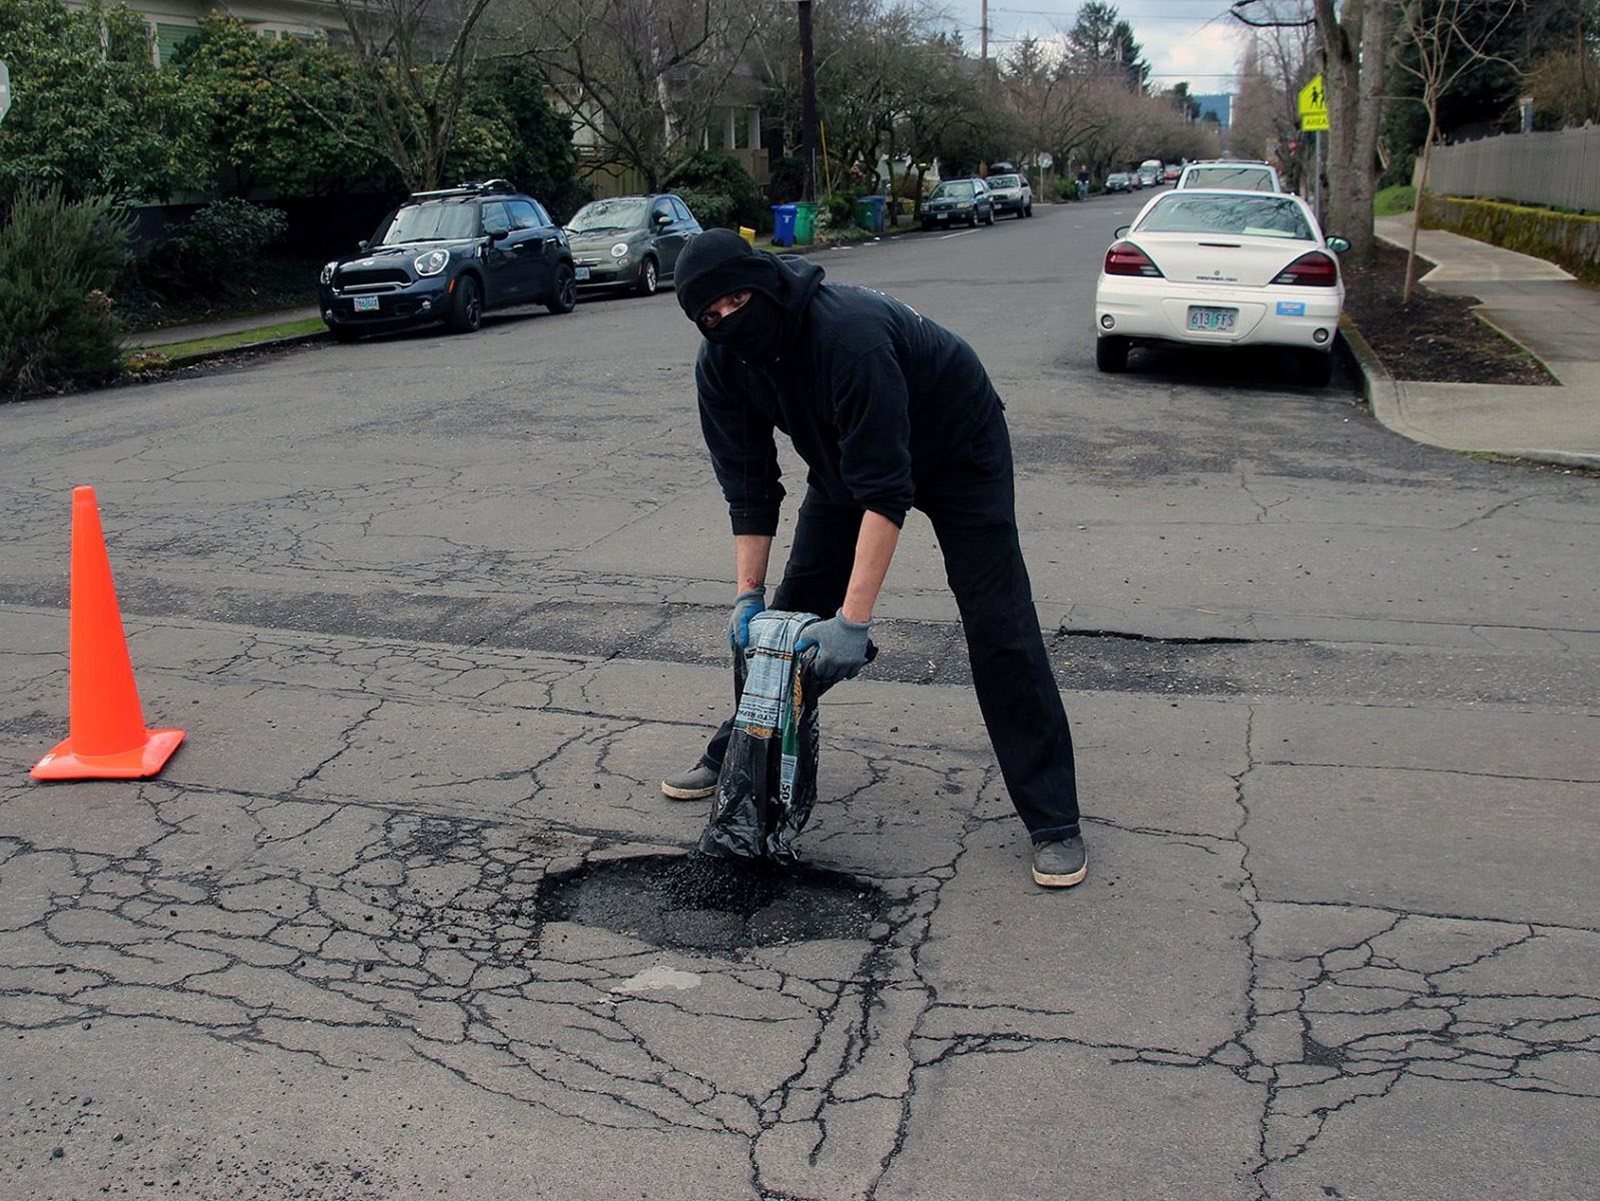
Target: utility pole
pixel 983 43
pixel 808 103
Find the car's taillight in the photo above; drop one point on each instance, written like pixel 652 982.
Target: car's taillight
pixel 1124 258
pixel 1313 270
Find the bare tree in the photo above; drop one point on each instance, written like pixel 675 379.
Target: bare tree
pixel 1446 39
pixel 1287 53
pixel 642 77
pixel 1353 50
pixel 417 57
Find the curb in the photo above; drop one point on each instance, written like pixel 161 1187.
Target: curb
pixel 1382 391
pixel 178 362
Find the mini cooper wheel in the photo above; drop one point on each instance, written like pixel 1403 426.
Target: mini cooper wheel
pixel 564 297
pixel 466 308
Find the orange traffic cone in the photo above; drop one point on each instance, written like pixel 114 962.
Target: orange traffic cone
pixel 106 738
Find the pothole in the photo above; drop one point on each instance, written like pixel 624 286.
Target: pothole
pixel 704 904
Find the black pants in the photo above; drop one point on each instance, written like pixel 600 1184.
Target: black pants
pixel 972 505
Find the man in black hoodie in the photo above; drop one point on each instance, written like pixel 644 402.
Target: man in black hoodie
pixel 889 411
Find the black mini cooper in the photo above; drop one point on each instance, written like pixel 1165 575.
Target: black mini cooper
pixel 449 256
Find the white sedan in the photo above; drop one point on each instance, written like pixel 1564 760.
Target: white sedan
pixel 1221 268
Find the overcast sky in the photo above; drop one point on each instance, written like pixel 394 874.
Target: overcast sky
pixel 1182 39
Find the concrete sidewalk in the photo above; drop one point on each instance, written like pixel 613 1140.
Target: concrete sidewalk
pixel 173 334
pixel 1537 305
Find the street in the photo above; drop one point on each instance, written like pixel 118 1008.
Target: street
pixel 400 918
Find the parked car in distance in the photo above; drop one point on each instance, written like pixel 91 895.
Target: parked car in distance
pixel 1150 172
pixel 1119 181
pixel 1221 268
pixel 1239 175
pixel 450 255
pixel 958 200
pixel 629 241
pixel 1170 172
pixel 1012 194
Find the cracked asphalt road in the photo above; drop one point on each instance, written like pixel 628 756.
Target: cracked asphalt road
pixel 438 612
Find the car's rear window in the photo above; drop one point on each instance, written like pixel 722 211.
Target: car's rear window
pixel 1256 216
pixel 432 220
pixel 1004 181
pixel 961 189
pixel 1246 179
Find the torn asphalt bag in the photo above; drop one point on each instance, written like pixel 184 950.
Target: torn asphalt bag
pixel 768 782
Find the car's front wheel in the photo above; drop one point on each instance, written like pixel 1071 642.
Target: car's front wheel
pixel 1111 354
pixel 648 277
pixel 989 220
pixel 564 295
pixel 1316 367
pixel 466 308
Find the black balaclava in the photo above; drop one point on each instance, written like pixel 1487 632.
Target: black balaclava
pixel 719 262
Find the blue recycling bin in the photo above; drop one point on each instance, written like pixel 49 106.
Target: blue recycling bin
pixel 783 216
pixel 869 213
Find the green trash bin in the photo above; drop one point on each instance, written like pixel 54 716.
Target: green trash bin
pixel 869 213
pixel 805 223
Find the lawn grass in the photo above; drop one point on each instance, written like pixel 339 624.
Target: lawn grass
pixel 144 357
pixel 1391 202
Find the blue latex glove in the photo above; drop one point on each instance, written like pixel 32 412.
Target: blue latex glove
pixel 745 606
pixel 841 648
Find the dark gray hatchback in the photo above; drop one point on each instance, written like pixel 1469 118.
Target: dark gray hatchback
pixel 450 256
pixel 630 241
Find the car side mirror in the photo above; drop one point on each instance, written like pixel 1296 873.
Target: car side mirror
pixel 1337 244
pixel 663 219
pixel 1122 231
pixel 362 245
pixel 498 234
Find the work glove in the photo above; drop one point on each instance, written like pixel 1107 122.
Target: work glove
pixel 745 606
pixel 841 648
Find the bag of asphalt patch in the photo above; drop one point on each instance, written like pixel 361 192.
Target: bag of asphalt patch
pixel 768 782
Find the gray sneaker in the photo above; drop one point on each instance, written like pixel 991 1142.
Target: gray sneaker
pixel 691 785
pixel 1061 863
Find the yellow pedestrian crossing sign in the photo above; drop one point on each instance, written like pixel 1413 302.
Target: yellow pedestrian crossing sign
pixel 1313 106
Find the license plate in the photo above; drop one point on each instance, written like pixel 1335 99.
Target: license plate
pixel 1215 321
pixel 582 274
pixel 941 216
pixel 366 304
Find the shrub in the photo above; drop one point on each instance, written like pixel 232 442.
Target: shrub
pixel 710 174
pixel 842 208
pixel 712 211
pixel 206 250
pixel 786 177
pixel 58 260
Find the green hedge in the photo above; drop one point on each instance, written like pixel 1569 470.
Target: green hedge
pixel 1571 240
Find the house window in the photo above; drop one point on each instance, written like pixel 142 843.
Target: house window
pixel 169 38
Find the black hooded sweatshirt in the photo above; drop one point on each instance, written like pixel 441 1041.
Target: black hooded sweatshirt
pixel 876 398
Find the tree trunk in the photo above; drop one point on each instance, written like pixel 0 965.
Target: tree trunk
pixel 1355 111
pixel 1416 208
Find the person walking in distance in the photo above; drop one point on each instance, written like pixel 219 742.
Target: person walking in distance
pixel 889 411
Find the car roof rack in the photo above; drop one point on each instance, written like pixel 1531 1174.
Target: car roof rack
pixel 471 188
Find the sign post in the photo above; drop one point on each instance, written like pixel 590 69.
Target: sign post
pixel 1314 119
pixel 5 90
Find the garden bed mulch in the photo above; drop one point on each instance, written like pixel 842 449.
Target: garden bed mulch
pixel 1434 338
